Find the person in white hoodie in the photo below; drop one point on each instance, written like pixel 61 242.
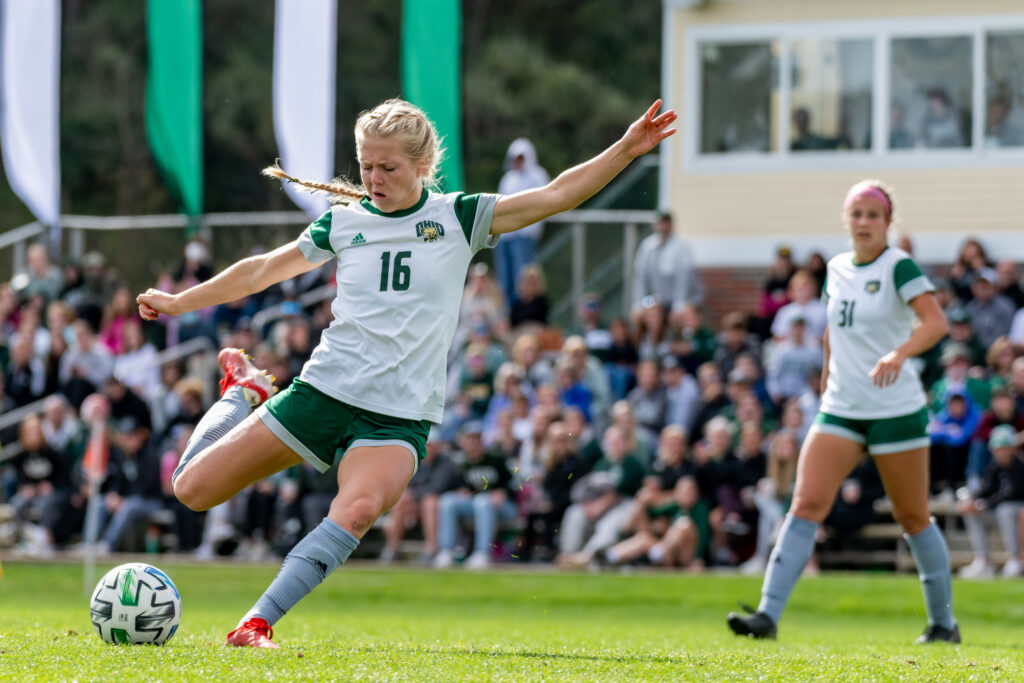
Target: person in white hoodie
pixel 516 249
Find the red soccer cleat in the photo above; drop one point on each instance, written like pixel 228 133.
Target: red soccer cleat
pixel 238 370
pixel 253 632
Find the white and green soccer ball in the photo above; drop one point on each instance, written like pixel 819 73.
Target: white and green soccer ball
pixel 135 603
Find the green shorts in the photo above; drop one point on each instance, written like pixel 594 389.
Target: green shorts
pixel 316 426
pixel 883 435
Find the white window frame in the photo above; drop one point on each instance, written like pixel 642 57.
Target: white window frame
pixel 882 32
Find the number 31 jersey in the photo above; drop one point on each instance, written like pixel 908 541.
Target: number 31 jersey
pixel 868 316
pixel 400 280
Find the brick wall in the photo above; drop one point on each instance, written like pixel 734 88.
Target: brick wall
pixel 731 289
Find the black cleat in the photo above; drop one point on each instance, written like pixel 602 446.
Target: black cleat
pixel 939 634
pixel 754 624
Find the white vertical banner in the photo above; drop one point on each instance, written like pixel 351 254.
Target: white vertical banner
pixel 29 103
pixel 305 40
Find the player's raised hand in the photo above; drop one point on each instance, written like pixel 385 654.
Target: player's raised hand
pixel 646 132
pixel 153 302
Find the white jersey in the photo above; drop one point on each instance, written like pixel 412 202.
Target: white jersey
pixel 869 316
pixel 400 280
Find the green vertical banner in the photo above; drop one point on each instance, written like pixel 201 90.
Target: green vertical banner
pixel 431 74
pixel 174 117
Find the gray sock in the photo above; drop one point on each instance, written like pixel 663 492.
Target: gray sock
pixel 786 563
pixel 231 409
pixel 932 558
pixel 309 563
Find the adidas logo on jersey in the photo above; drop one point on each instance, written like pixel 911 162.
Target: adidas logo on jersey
pixel 358 239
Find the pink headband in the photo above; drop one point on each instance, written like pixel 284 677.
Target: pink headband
pixel 865 190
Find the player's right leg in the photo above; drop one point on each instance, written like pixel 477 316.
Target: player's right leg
pixel 230 447
pixel 825 461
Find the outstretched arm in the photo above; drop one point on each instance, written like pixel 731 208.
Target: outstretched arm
pixel 575 185
pixel 248 276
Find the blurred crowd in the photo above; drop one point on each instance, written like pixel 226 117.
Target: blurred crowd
pixel 654 437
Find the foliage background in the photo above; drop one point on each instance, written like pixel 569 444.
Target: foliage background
pixel 568 74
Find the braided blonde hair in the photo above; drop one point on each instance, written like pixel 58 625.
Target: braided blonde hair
pixel 394 118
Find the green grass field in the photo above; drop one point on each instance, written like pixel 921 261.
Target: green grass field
pixel 367 623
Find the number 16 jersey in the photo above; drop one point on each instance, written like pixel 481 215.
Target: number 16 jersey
pixel 400 280
pixel 868 316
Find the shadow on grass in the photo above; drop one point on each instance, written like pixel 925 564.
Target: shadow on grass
pixel 523 654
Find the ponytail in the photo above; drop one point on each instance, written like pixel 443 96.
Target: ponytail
pixel 340 190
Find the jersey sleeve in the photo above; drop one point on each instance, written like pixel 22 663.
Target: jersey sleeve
pixel 315 240
pixel 910 281
pixel 475 213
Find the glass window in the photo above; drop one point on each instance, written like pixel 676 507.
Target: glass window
pixel 930 104
pixel 831 94
pixel 1004 90
pixel 738 85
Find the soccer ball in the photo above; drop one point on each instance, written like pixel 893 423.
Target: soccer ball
pixel 135 603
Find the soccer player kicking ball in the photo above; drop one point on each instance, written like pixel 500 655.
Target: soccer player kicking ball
pixel 376 381
pixel 871 399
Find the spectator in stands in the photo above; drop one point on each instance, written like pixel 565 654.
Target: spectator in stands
pixel 43 488
pixel 418 505
pixel 571 389
pixel 999 361
pixel 530 304
pixel 793 420
pixel 126 403
pixel 714 460
pixel 61 429
pixel 690 340
pixel 132 490
pixel 961 332
pixel 9 312
pixel 92 295
pixel 592 374
pixel 991 312
pixel 794 362
pixel 42 276
pixel 591 327
pixel 970 259
pixel 602 502
pixel 1002 410
pixel 516 249
pixel 817 266
pixel 772 496
pixel 1016 334
pixel 137 365
pixel 649 400
pixel 1008 282
pixel 621 360
pixel 956 362
pixel 713 399
pixel 26 374
pixel 1000 500
pixel 483 496
pixel 652 340
pixel 805 302
pixel 682 394
pixel 663 269
pixel 549 495
pixel 743 471
pixel 30 327
pixel 951 430
pixel 86 365
pixel 508 385
pixel 775 293
pixel 187 523
pixel 297 343
pixel 116 313
pixel 940 126
pixel 526 352
pixel 482 302
pixel 639 443
pixel 854 507
pixel 733 340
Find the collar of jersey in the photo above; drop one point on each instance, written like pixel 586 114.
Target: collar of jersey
pixel 368 205
pixel 853 259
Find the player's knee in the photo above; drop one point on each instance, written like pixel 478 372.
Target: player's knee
pixel 359 514
pixel 810 508
pixel 912 522
pixel 190 493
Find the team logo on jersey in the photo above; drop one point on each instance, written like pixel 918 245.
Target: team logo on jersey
pixel 872 286
pixel 430 231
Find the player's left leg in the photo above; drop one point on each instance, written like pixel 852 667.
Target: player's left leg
pixel 371 479
pixel 905 476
